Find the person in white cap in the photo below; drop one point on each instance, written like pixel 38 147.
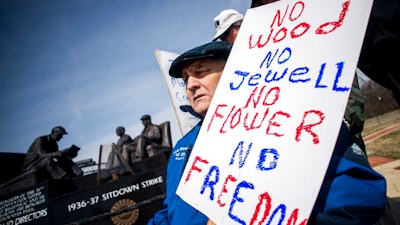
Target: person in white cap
pixel 227 25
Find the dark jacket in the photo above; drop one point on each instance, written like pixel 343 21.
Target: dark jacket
pixel 42 147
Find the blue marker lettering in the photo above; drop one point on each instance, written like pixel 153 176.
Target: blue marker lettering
pixel 340 66
pixel 236 198
pixel 281 208
pixel 299 72
pixel 210 183
pixel 321 72
pixel 272 163
pixel 242 159
pixel 240 73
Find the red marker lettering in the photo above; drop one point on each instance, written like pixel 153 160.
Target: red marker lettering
pixel 336 24
pixel 264 197
pixel 307 127
pixel 293 218
pixel 273 122
pixel 217 115
pixel 194 167
pixel 224 190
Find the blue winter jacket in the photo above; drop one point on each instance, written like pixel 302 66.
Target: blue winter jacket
pixel 352 192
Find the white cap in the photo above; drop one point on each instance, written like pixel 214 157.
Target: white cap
pixel 224 20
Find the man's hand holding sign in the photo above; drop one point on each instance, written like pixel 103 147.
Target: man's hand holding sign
pixel 271 128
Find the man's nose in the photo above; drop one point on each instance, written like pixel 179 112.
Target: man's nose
pixel 192 83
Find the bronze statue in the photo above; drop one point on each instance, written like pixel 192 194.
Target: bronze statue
pixel 151 133
pixel 114 161
pixel 45 157
pixel 123 138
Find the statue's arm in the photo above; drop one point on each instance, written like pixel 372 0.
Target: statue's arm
pixel 155 133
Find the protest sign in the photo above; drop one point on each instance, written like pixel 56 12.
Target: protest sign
pixel 177 91
pixel 268 136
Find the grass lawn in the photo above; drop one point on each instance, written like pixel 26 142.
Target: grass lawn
pixel 386 146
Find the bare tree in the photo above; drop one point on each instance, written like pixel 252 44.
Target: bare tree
pixel 378 100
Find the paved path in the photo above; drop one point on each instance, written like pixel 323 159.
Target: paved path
pixel 391 171
pixel 389 168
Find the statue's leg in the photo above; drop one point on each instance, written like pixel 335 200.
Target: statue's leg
pixel 141 148
pixel 55 171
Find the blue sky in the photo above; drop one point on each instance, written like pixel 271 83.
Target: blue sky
pixel 90 66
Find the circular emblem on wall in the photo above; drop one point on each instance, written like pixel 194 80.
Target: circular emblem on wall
pixel 125 218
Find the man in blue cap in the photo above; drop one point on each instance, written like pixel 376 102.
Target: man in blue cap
pixel 351 193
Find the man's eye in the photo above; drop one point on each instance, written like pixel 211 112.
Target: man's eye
pixel 185 77
pixel 201 73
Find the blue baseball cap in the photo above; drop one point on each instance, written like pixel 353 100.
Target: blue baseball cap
pixel 214 49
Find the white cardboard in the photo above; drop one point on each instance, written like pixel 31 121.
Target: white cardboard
pixel 177 91
pixel 236 161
